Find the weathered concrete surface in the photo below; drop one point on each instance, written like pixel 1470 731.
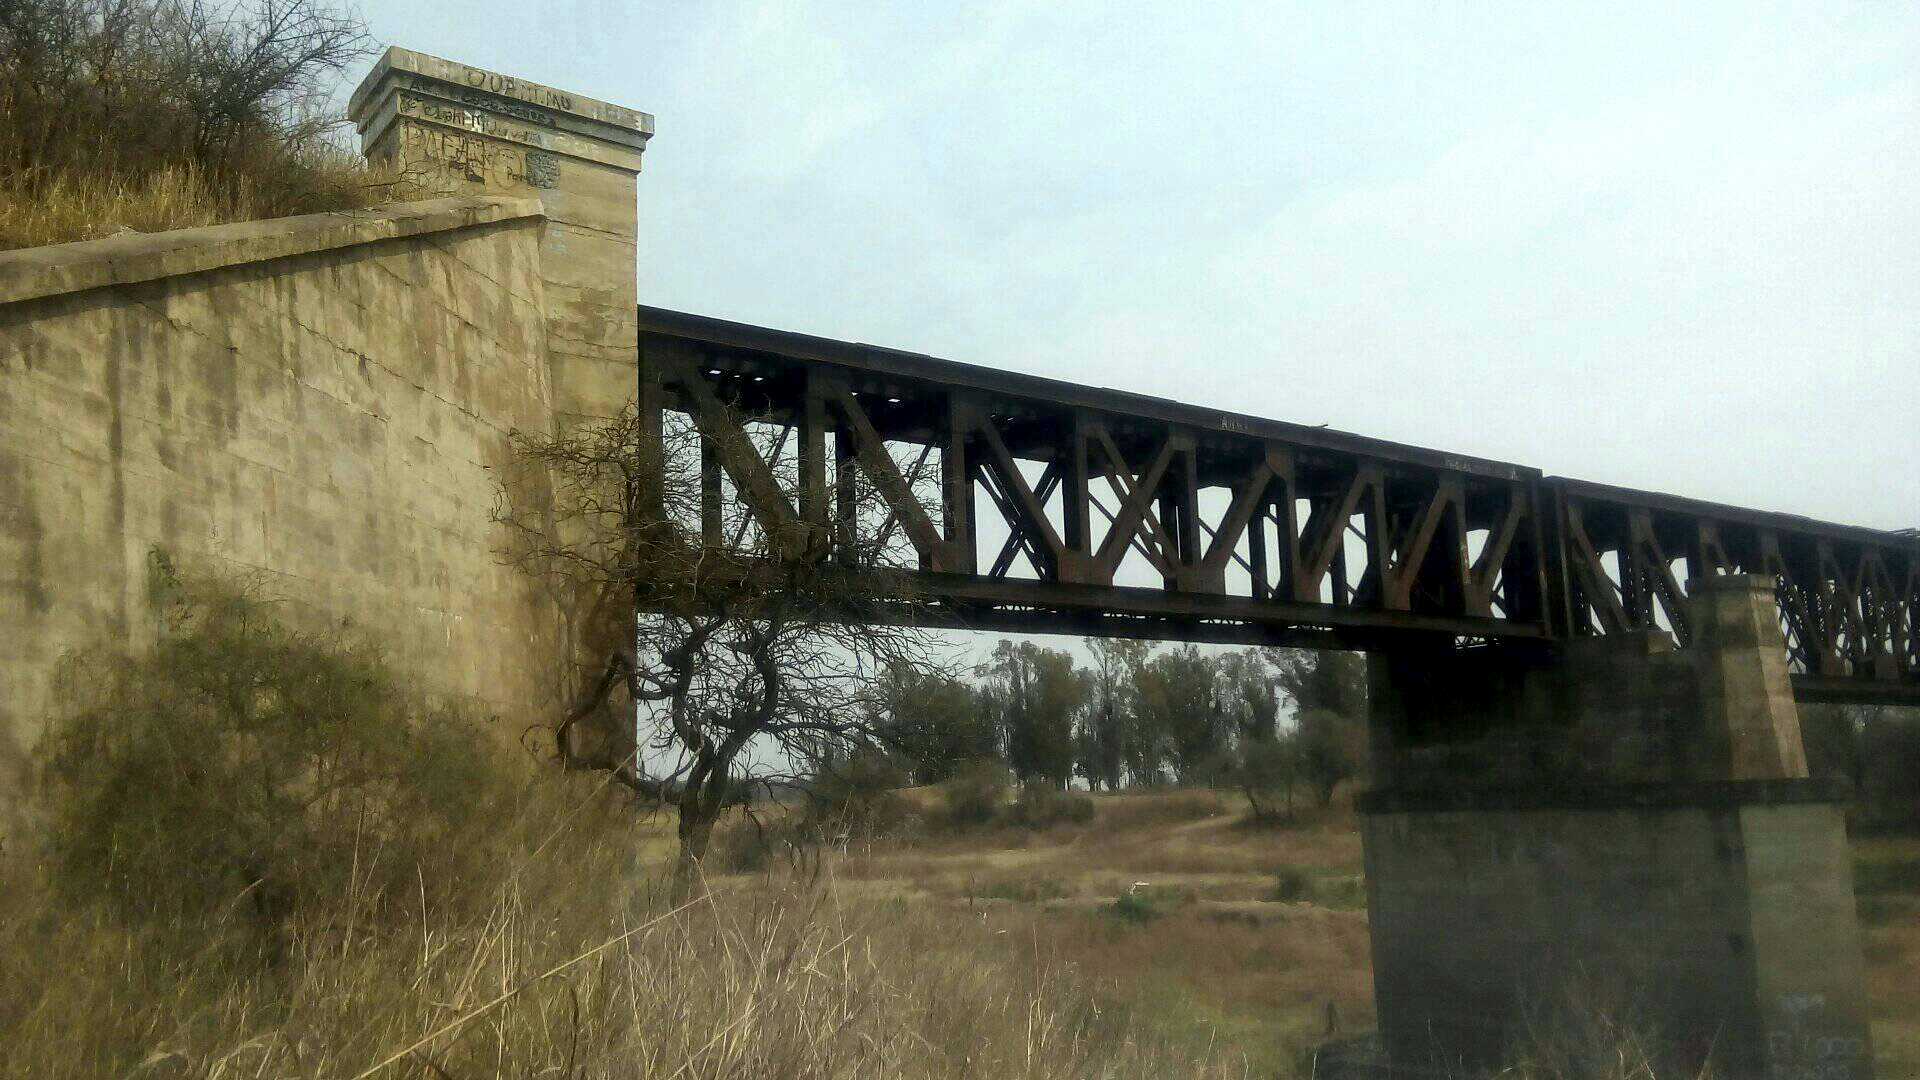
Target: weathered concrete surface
pixel 1741 664
pixel 1620 827
pixel 1714 922
pixel 322 401
pixel 458 128
pixel 1623 708
pixel 325 401
pixel 467 130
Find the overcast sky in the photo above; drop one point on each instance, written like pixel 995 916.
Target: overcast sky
pixel 1665 250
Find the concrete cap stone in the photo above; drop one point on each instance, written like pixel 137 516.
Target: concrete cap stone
pixel 463 98
pixel 1733 583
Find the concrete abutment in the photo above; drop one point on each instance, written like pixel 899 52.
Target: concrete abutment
pixel 1615 832
pixel 324 404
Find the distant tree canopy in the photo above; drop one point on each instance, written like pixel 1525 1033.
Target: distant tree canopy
pixel 1179 699
pixel 1040 696
pixel 940 723
pixel 1285 727
pixel 1102 746
pixel 1279 725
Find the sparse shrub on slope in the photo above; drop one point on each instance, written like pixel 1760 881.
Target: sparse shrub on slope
pixel 1041 806
pixel 859 797
pixel 164 114
pixel 977 794
pixel 430 915
pixel 238 761
pixel 1292 885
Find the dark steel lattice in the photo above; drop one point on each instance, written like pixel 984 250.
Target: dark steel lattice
pixel 1036 505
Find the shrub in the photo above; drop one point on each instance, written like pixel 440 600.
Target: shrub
pixel 1040 807
pixel 976 794
pixel 240 758
pixel 1026 890
pixel 162 114
pixel 1291 885
pixel 1144 903
pixel 1135 908
pixel 746 847
pixel 1267 773
pixel 859 796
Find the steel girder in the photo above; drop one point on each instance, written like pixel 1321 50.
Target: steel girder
pixel 1031 504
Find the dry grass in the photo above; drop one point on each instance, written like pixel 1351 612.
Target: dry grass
pixel 262 857
pixel 963 956
pixel 1268 979
pixel 576 967
pixel 164 114
pixel 89 207
pixel 1272 978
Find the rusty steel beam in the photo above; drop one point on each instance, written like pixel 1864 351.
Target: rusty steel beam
pixel 1126 515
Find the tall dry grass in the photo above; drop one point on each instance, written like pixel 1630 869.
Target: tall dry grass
pixel 262 857
pixel 164 114
pixel 90 206
pixel 572 966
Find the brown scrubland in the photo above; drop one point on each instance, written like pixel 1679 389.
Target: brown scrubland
pixel 261 856
pixel 150 115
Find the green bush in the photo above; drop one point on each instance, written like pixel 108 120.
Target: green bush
pixel 1027 890
pixel 1135 908
pixel 859 796
pixel 1040 807
pixel 1292 885
pixel 745 848
pixel 1143 903
pixel 976 794
pixel 237 759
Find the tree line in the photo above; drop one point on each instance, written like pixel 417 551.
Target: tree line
pixel 1280 724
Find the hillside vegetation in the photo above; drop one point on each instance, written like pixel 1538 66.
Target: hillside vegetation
pixel 261 856
pixel 163 114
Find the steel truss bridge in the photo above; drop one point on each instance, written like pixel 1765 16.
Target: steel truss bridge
pixel 1115 514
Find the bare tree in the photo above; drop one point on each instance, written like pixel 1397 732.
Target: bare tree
pixel 752 650
pixel 129 85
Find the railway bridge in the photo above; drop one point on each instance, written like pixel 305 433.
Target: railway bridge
pixel 1586 754
pixel 1116 514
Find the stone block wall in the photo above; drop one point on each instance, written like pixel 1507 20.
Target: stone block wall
pixel 1611 828
pixel 1709 920
pixel 321 402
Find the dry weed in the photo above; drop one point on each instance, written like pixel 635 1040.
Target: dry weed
pixel 78 207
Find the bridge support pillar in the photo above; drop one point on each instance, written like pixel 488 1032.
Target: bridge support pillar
pixel 451 128
pixel 458 129
pixel 1612 837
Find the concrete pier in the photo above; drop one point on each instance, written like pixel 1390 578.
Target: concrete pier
pixel 458 129
pixel 1612 833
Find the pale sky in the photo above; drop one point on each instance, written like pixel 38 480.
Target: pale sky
pixel 1671 250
